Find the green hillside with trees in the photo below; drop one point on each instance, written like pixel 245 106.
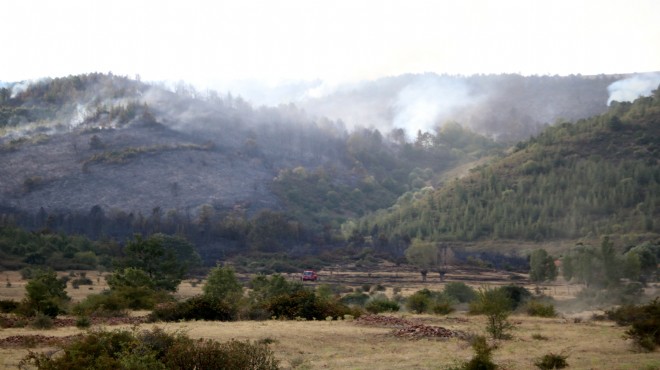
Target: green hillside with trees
pixel 574 180
pixel 108 157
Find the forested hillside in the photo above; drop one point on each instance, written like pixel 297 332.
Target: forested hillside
pixel 107 157
pixel 585 179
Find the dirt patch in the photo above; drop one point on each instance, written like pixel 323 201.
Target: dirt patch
pixel 10 321
pixel 410 329
pixel 37 340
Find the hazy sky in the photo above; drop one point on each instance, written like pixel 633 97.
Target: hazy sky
pixel 334 40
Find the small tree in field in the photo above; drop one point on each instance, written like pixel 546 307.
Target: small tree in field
pixel 223 284
pixel 542 266
pixel 46 294
pixel 422 254
pixel 496 305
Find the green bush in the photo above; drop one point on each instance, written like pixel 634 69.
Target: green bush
pixel 460 292
pixel 83 322
pixel 200 307
pixel 355 298
pixel 8 305
pixel 483 354
pixel 106 304
pixel 538 308
pixel 420 301
pixel 208 354
pixel 442 308
pixel 44 294
pixel 644 321
pixel 381 303
pixel 305 304
pixel 518 295
pixel 551 361
pixel 496 305
pixel 428 301
pixel 155 349
pixel 41 321
pixel 75 283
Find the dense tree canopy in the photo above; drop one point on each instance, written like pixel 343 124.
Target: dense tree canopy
pixel 165 259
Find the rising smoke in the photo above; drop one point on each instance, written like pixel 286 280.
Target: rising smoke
pixel 633 87
pixel 427 102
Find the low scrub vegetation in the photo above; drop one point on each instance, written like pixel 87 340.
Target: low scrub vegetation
pixel 152 349
pixel 426 301
pixel 496 305
pixel 196 308
pixel 482 359
pixel 380 303
pixel 644 321
pixel 551 361
pixel 539 308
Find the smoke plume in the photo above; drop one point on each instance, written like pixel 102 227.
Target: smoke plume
pixel 633 87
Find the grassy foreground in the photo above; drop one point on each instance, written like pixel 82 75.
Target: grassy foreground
pixel 348 345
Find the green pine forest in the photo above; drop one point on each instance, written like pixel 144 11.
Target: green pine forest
pixel 574 180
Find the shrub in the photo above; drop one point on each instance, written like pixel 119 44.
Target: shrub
pixel 196 308
pixel 41 321
pixel 305 304
pixel 428 301
pixel 537 308
pixel 644 321
pixel 222 283
pixel 106 304
pixel 380 303
pixel 518 295
pixel 83 322
pixel 45 294
pixel 551 361
pixel 155 349
pixel 442 308
pixel 356 298
pixel 460 292
pixel 208 354
pixel 496 305
pixel 8 305
pixel 538 336
pixel 301 304
pixel 482 359
pixel 264 288
pixel 75 283
pixel 420 301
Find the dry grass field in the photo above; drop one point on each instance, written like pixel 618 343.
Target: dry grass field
pixel 347 344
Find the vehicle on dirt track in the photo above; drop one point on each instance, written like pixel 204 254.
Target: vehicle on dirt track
pixel 309 275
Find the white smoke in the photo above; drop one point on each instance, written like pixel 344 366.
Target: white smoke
pixel 429 101
pixel 19 87
pixel 633 87
pixel 79 115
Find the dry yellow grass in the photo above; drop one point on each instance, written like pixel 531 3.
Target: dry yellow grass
pixel 346 345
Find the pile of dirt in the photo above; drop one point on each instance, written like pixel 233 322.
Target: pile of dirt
pixel 22 341
pixel 11 321
pixel 70 321
pixel 380 320
pixel 409 328
pixel 428 331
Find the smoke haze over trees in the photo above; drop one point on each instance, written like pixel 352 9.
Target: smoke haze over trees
pixel 372 165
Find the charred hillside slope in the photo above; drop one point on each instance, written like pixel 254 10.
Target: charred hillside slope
pixel 105 155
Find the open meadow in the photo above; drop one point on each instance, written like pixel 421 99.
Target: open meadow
pixel 381 344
